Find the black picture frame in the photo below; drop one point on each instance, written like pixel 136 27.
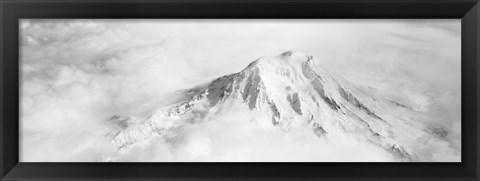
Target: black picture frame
pixel 13 10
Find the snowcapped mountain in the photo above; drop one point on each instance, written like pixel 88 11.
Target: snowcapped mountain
pixel 286 91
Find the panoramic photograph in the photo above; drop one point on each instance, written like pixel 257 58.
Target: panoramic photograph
pixel 240 90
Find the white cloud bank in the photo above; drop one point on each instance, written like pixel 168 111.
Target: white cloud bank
pixel 77 73
pixel 235 136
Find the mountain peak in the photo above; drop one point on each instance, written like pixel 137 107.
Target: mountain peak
pixel 286 59
pixel 292 53
pixel 294 57
pixel 285 91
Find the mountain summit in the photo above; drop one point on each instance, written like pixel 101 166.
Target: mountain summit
pixel 285 91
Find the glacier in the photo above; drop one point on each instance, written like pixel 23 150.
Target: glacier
pixel 285 92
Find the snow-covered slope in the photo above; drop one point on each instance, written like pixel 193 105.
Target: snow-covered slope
pixel 286 91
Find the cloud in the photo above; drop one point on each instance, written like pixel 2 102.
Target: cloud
pixel 235 136
pixel 77 73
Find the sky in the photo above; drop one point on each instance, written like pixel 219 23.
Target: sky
pixel 77 73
